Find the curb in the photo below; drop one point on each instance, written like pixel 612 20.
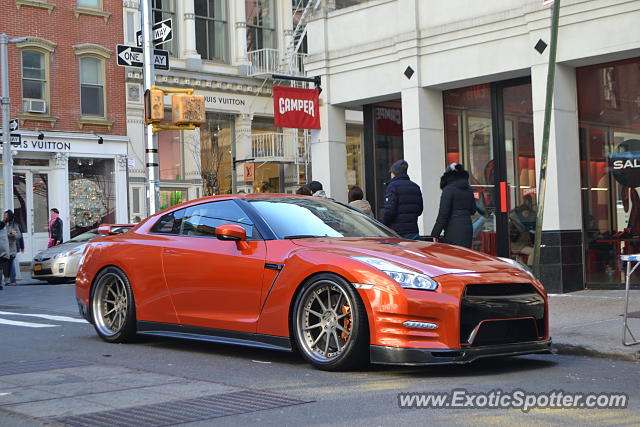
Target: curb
pixel 578 350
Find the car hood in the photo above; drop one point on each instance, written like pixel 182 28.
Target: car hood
pixel 55 250
pixel 433 259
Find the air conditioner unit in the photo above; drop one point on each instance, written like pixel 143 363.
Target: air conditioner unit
pixel 35 105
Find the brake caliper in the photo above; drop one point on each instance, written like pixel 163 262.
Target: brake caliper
pixel 346 323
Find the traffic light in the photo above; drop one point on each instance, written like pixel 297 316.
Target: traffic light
pixel 187 109
pixel 153 106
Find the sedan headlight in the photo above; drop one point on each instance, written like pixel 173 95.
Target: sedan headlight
pixel 66 254
pixel 516 264
pixel 406 278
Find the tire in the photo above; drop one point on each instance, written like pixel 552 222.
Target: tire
pixel 330 326
pixel 113 309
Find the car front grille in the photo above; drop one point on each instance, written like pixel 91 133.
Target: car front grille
pixel 501 313
pixel 41 258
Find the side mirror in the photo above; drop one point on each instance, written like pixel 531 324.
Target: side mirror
pixel 232 232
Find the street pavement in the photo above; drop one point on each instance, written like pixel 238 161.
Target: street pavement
pixel 53 365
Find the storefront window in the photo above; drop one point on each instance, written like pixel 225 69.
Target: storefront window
pixel 354 157
pixel 501 167
pixel 91 193
pixel 169 154
pixel 609 115
pixel 269 176
pixel 171 197
pixel 215 154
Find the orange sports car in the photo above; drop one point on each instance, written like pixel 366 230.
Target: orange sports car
pixel 302 273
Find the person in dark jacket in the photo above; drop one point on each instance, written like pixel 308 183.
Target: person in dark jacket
pixel 457 204
pixel 402 202
pixel 55 228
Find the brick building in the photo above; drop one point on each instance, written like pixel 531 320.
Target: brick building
pixel 68 94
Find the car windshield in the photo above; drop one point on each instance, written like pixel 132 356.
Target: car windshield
pixel 295 217
pixel 85 237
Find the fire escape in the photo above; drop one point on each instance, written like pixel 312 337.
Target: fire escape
pixel 292 145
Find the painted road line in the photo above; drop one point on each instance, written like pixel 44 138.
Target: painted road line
pixel 46 316
pixel 27 324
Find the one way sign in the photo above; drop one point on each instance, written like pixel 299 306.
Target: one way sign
pixel 131 56
pixel 162 32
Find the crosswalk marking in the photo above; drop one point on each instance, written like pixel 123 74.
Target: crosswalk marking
pixel 27 324
pixel 47 316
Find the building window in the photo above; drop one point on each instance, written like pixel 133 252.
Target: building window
pixel 216 139
pixel 165 9
pixel 354 157
pixel 90 4
pixel 131 27
pixel 261 24
pixel 211 29
pixel 34 75
pixel 92 198
pixel 91 87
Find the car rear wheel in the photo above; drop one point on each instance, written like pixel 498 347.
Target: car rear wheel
pixel 112 306
pixel 330 324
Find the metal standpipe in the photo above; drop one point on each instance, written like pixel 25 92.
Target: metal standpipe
pixel 151 139
pixel 7 169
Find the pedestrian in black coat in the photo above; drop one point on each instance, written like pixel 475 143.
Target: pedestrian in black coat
pixel 402 202
pixel 457 204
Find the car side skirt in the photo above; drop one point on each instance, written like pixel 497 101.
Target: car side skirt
pixel 220 336
pixel 424 356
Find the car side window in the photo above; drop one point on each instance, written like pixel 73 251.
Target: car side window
pixel 169 223
pixel 202 220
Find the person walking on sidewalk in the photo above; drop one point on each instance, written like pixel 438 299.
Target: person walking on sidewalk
pixel 402 202
pixel 316 189
pixel 457 204
pixel 55 228
pixel 14 234
pixel 356 199
pixel 4 254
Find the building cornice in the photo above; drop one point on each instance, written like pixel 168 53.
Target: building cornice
pixel 38 4
pixel 92 49
pixel 37 43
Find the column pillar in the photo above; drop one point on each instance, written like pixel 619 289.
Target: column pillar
pixel 240 52
pixel 329 151
pixel 121 190
pixel 243 149
pixel 59 191
pixel 561 267
pixel 192 57
pixel 423 146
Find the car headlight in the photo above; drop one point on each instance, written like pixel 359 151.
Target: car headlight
pixel 406 278
pixel 516 264
pixel 66 254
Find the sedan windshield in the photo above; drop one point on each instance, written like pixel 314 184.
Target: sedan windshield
pixel 292 218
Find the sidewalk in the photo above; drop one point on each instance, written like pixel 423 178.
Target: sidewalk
pixel 590 323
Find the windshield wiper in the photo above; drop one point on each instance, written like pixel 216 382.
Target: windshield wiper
pixel 301 236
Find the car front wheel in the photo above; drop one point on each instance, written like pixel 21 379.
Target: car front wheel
pixel 112 306
pixel 330 324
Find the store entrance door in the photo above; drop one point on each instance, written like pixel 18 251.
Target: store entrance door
pixel 489 129
pixel 31 208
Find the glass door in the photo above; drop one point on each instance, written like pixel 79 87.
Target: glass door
pixel 31 208
pixel 489 129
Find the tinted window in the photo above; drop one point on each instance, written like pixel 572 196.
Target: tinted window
pixel 202 220
pixel 289 217
pixel 169 223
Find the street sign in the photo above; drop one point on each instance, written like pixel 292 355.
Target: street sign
pixel 162 32
pixel 15 139
pixel 131 56
pixel 160 59
pixel 14 125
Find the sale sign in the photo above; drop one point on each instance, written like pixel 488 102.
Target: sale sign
pixel 296 108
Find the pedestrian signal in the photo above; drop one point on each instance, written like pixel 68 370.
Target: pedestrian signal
pixel 153 106
pixel 187 109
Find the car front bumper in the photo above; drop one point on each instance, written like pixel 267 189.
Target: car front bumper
pixel 424 356
pixel 54 268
